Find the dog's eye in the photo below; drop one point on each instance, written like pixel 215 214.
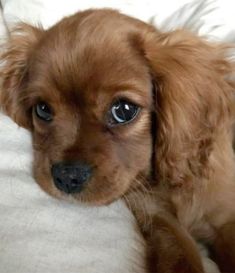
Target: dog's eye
pixel 43 111
pixel 123 111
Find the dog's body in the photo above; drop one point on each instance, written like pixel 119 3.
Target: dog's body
pixel 118 109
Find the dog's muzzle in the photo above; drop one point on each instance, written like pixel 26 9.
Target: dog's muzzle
pixel 71 177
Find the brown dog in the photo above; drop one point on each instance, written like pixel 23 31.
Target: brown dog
pixel 118 109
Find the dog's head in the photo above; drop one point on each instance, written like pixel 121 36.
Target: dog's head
pixel 110 101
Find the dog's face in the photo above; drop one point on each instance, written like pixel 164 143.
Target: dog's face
pixel 97 99
pixel 85 90
pixel 89 99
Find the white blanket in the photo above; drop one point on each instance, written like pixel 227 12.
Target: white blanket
pixel 40 234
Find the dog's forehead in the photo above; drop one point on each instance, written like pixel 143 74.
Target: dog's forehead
pixel 92 56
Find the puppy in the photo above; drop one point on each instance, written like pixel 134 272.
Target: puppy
pixel 118 109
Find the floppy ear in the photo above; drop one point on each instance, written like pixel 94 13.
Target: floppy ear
pixel 193 103
pixel 15 62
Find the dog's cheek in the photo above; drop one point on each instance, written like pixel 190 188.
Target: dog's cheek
pixel 135 159
pixel 119 171
pixel 43 150
pixel 41 171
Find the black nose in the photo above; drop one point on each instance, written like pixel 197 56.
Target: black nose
pixel 70 177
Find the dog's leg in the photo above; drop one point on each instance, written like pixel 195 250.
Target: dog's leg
pixel 173 250
pixel 224 248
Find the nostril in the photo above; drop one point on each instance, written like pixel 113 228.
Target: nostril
pixel 61 185
pixel 74 182
pixel 58 181
pixel 75 185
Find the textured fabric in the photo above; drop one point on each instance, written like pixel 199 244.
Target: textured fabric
pixel 212 16
pixel 41 234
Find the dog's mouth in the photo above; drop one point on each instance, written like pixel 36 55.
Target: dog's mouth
pixel 79 182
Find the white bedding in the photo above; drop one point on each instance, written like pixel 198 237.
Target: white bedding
pixel 40 234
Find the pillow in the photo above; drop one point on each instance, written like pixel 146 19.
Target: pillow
pixel 42 234
pixel 205 16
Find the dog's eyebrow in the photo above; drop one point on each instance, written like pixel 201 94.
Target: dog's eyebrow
pixel 139 97
pixel 140 90
pixel 132 84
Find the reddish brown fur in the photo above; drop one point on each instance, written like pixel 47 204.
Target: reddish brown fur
pixel 79 67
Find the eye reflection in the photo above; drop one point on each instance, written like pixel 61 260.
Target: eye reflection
pixel 43 111
pixel 123 111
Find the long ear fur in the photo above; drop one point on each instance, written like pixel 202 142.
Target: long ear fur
pixel 193 103
pixel 15 62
